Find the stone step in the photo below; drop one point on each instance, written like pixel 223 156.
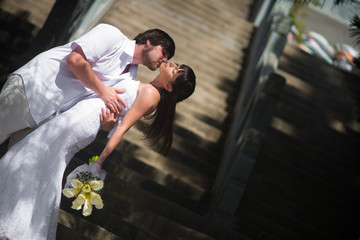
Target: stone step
pixel 154 172
pixel 213 104
pixel 73 227
pixel 305 181
pixel 34 12
pixel 162 207
pixel 209 102
pixel 170 191
pixel 205 93
pixel 336 101
pixel 264 226
pixel 64 233
pixel 178 171
pixel 130 221
pixel 333 80
pixel 147 209
pixel 331 133
pixel 211 147
pixel 197 36
pixel 199 128
pixel 203 152
pixel 199 157
pixel 132 195
pixel 212 48
pixel 278 206
pixel 131 171
pixel 201 19
pixel 181 134
pixel 293 153
pixel 205 111
pixel 308 179
pixel 267 226
pixel 345 211
pixel 154 197
pixel 203 14
pixel 185 148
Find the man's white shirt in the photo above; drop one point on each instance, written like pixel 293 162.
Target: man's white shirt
pixel 51 87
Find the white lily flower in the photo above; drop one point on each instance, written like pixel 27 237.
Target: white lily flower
pixel 96 185
pixel 86 188
pixel 87 209
pixel 78 202
pixel 96 200
pixel 76 205
pixel 75 183
pixel 70 192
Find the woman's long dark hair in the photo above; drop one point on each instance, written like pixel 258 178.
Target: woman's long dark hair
pixel 160 130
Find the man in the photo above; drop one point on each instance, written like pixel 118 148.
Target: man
pixel 57 79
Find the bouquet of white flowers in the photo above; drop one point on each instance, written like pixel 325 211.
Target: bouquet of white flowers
pixel 86 184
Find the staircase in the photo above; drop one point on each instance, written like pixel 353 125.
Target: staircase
pixel 305 183
pixel 147 195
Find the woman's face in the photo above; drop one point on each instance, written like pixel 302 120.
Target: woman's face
pixel 170 71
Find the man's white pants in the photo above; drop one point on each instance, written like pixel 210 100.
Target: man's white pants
pixel 14 108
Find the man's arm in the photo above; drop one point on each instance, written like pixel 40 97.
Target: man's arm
pixel 82 70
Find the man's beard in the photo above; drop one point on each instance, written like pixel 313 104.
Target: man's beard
pixel 152 65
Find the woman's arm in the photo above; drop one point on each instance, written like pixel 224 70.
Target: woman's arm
pixel 81 68
pixel 147 99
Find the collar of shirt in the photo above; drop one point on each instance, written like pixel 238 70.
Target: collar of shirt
pixel 127 57
pixel 128 54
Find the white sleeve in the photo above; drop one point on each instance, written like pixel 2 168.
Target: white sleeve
pixel 99 41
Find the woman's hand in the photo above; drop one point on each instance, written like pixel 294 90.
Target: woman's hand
pixel 107 119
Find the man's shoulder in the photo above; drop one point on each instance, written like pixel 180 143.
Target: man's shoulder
pixel 109 27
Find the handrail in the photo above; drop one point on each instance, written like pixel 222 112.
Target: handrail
pixel 253 110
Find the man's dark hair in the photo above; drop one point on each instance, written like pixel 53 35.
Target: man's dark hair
pixel 157 37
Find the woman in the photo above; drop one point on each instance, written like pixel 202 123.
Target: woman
pixel 32 170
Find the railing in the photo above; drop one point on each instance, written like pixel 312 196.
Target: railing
pixel 254 107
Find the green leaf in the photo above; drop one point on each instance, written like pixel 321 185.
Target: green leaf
pixel 93 159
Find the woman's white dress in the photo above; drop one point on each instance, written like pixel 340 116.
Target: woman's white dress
pixel 31 171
